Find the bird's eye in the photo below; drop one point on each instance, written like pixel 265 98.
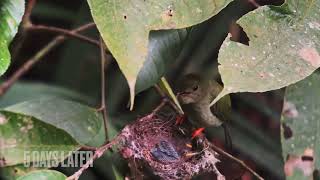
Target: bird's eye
pixel 195 88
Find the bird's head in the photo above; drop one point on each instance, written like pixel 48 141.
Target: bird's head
pixel 191 89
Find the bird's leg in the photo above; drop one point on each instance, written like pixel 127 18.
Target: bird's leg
pixel 191 154
pixel 227 136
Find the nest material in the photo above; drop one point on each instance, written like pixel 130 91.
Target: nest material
pixel 154 142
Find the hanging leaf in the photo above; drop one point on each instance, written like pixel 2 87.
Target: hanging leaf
pixel 301 128
pixel 125 26
pixel 11 12
pixel 283 48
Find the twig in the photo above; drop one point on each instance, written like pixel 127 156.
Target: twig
pixel 169 100
pixel 103 87
pixel 26 21
pixel 222 152
pixel 64 32
pixel 97 154
pixel 160 106
pixel 39 55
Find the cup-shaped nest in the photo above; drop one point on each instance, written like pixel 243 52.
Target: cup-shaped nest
pixel 156 144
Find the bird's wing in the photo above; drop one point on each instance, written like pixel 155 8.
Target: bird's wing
pixel 222 109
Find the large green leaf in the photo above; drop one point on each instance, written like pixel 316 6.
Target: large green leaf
pixel 43 175
pixel 11 12
pixel 24 91
pixel 20 134
pixel 81 122
pixel 13 172
pixel 301 129
pixel 125 26
pixel 284 45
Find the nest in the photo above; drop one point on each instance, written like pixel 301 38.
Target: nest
pixel 155 143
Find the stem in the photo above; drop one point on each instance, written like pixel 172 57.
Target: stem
pixel 39 55
pixel 26 21
pixel 64 32
pixel 97 154
pixel 103 87
pixel 222 152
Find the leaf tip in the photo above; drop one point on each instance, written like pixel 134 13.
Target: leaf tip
pixel 221 94
pixel 132 84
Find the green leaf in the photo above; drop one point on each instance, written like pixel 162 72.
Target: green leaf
pixel 81 122
pixel 24 91
pixel 13 172
pixel 125 26
pixel 163 49
pixel 117 175
pixel 20 134
pixel 11 12
pixel 300 132
pixel 43 175
pixel 284 44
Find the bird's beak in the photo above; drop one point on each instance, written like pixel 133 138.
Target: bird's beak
pixel 182 94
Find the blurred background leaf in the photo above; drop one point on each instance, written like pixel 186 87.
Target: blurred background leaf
pixel 13 172
pixel 81 122
pixel 43 175
pixel 21 133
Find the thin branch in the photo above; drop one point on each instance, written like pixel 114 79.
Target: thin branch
pixel 26 21
pixel 38 56
pixel 159 107
pixel 64 32
pixel 97 154
pixel 222 152
pixel 103 87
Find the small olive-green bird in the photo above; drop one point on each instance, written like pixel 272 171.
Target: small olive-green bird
pixel 195 94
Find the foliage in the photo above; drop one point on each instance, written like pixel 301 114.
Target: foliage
pixel 247 47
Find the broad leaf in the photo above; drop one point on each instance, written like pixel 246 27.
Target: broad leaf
pixel 81 122
pixel 283 48
pixel 125 26
pixel 13 172
pixel 20 134
pixel 24 91
pixel 43 175
pixel 301 128
pixel 11 12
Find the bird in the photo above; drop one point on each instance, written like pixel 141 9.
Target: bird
pixel 195 93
